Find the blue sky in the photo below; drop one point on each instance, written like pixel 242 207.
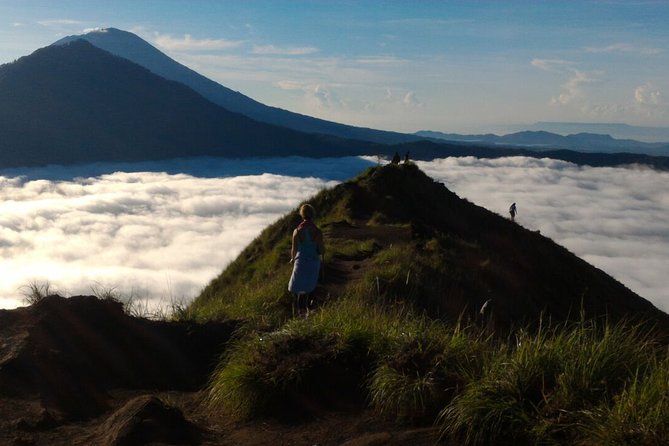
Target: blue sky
pixel 438 65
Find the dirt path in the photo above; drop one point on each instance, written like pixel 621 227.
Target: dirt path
pixel 341 271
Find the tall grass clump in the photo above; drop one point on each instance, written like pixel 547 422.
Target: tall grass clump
pixel 35 291
pixel 537 389
pixel 639 415
pixel 274 374
pixel 425 368
pixel 291 370
pixel 342 355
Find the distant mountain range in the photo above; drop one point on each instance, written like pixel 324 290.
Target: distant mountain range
pixel 542 141
pixel 616 130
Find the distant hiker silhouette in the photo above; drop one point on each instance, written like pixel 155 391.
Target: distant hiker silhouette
pixel 513 211
pixel 406 157
pixel 306 253
pixel 396 158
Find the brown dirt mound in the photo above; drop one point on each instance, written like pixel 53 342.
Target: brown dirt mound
pixel 70 352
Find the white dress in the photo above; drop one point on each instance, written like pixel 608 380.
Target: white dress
pixel 306 266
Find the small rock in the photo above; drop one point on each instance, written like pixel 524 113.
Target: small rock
pixel 147 420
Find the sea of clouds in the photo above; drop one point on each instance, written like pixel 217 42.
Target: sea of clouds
pixel 161 231
pixel 144 230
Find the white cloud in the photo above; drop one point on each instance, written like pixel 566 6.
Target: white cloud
pixel 59 23
pixel 284 51
pixel 323 96
pixel 422 22
pixel 410 100
pixel 647 94
pixel 316 96
pixel 96 29
pixel 188 43
pixel 551 64
pixel 292 85
pixel 572 90
pixel 625 48
pixel 381 60
pixel 156 234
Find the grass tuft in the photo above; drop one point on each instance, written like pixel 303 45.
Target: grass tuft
pixel 639 415
pixel 281 373
pixel 35 291
pixel 536 390
pixel 425 369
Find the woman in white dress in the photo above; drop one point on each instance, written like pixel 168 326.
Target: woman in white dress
pixel 306 253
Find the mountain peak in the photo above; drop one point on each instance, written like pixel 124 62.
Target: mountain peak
pixel 105 38
pixel 94 106
pixel 90 33
pixel 127 45
pixel 132 47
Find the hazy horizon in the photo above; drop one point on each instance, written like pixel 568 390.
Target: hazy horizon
pixel 164 235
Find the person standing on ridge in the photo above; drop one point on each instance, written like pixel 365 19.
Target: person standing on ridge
pixel 306 254
pixel 513 211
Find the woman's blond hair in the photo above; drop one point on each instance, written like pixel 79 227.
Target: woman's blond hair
pixel 307 211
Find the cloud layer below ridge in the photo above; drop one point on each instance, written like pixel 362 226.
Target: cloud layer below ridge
pixel 150 231
pixel 154 235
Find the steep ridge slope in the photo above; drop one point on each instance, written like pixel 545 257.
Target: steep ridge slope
pixel 137 50
pixel 76 103
pixel 394 233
